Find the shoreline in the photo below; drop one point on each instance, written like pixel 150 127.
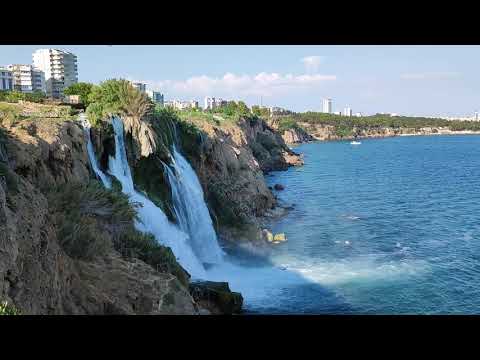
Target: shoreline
pixel 449 133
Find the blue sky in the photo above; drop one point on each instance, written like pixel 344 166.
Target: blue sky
pixel 410 80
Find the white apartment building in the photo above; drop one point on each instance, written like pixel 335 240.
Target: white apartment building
pixel 211 103
pixel 358 114
pixel 337 113
pixel 182 105
pixel 156 97
pixel 347 111
pixel 6 79
pixel 59 67
pixel 139 86
pixel 27 79
pixel 327 106
pixel 274 110
pixel 194 104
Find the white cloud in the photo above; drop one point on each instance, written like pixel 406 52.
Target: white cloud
pixel 262 84
pixel 429 76
pixel 312 63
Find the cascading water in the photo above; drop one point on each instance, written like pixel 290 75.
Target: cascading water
pixel 191 210
pixel 197 243
pixel 91 153
pixel 151 218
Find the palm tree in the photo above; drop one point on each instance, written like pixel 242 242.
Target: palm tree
pixel 137 108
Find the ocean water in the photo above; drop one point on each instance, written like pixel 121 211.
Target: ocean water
pixel 387 227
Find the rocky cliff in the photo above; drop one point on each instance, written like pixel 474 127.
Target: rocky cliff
pixel 230 159
pixel 38 155
pixel 306 132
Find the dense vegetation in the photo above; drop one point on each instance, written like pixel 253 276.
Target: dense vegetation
pixel 82 89
pixel 15 96
pixel 346 125
pixel 91 220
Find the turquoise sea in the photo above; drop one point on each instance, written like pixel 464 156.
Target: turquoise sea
pixel 390 226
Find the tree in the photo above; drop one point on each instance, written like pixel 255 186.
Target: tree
pixel 36 96
pixel 83 89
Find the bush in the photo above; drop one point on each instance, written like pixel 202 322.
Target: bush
pixel 87 216
pixel 7 309
pixel 144 247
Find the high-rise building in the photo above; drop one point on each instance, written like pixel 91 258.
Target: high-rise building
pixel 6 79
pixel 327 106
pixel 156 97
pixel 140 86
pixel 358 114
pixel 27 79
pixel 208 103
pixel 60 69
pixel 476 115
pixel 347 111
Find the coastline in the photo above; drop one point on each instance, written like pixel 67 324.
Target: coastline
pixel 379 136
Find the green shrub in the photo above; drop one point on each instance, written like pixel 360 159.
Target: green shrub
pixel 87 216
pixel 7 309
pixel 144 247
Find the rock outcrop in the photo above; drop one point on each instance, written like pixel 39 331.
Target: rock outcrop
pixel 230 160
pixel 296 135
pixel 36 274
pixel 216 297
pixel 328 132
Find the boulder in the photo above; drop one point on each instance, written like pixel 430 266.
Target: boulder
pixel 267 235
pixel 280 237
pixel 279 187
pixel 216 297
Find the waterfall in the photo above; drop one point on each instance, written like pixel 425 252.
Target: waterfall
pixel 151 217
pixel 91 153
pixel 191 210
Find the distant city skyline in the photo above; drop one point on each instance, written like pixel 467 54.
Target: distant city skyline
pixel 408 80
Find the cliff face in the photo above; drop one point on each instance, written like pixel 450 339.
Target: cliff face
pixel 36 275
pixel 230 160
pixel 296 136
pixel 328 132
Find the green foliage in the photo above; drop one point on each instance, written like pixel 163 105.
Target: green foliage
pixel 87 215
pixel 260 111
pixel 144 247
pixel 15 96
pixel 83 89
pixel 7 309
pixel 149 176
pixel 233 108
pixel 116 97
pixel 287 124
pixel 347 124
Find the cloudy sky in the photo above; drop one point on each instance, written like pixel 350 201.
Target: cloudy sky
pixel 410 80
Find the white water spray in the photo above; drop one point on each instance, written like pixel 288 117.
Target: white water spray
pixel 91 153
pixel 151 218
pixel 191 210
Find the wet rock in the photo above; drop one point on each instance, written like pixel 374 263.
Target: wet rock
pixel 279 187
pixel 280 237
pixel 267 235
pixel 216 297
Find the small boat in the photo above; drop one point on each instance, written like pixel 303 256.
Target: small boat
pixel 355 142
